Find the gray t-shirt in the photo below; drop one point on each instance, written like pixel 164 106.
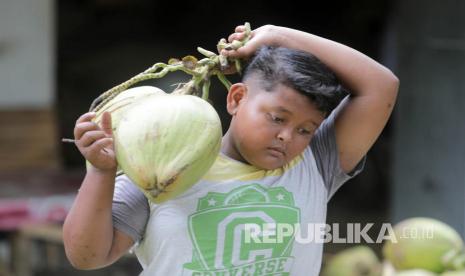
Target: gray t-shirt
pixel 238 219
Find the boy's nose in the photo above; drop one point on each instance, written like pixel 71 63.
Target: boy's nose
pixel 284 136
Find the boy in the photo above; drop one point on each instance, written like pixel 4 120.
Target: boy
pixel 280 162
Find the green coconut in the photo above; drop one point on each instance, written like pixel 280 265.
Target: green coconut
pixel 166 143
pixel 118 105
pixel 424 243
pixel 355 261
pixel 389 270
pixel 454 273
pixel 415 272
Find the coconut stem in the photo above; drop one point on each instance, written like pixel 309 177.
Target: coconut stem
pixel 223 79
pixel 205 89
pixel 201 72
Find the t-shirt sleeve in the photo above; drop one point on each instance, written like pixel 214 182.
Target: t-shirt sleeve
pixel 324 149
pixel 130 209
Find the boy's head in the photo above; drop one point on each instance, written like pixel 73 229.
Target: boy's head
pixel 284 96
pixel 298 70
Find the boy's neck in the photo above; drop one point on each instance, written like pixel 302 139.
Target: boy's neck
pixel 228 148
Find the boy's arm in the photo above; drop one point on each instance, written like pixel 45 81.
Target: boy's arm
pixel 373 88
pixel 90 239
pixel 89 236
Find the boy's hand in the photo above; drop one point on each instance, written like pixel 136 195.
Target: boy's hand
pixel 265 35
pixel 94 142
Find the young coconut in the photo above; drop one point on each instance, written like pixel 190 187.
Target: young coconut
pixel 355 261
pixel 415 272
pixel 165 144
pixel 119 104
pixel 454 273
pixel 389 270
pixel 425 243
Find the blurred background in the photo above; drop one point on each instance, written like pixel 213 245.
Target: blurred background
pixel 57 56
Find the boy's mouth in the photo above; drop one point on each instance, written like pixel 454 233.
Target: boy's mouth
pixel 277 151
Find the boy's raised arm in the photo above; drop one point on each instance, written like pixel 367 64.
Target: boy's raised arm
pixel 373 88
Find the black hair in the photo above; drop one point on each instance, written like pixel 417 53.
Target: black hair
pixel 298 70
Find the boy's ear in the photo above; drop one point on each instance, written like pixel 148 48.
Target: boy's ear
pixel 236 94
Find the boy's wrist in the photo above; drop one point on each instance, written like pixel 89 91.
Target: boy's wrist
pixel 102 172
pixel 278 35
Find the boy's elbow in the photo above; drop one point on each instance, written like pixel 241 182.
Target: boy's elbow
pixel 393 82
pixel 85 263
pixel 81 261
pixel 80 265
pixel 396 82
pixel 81 257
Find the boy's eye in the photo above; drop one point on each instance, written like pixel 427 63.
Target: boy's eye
pixel 303 131
pixel 276 119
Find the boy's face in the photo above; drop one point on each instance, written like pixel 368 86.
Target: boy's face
pixel 268 128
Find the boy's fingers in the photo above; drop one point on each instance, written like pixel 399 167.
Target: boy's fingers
pixel 236 36
pixel 231 37
pixel 90 137
pixel 240 28
pixel 99 145
pixel 106 123
pixel 81 128
pixel 242 52
pixel 85 117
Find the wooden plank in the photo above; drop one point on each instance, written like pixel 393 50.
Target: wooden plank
pixel 28 140
pixel 47 232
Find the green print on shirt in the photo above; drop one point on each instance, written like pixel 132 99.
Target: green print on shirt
pixel 233 233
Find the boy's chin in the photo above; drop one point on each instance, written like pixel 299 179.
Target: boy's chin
pixel 264 161
pixel 267 165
